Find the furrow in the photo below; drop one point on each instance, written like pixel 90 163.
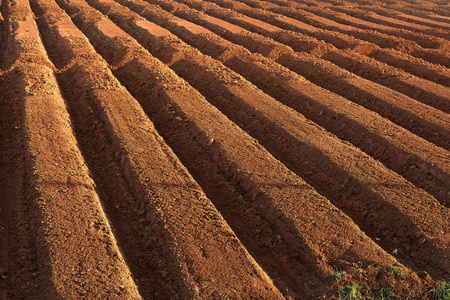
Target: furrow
pixel 162 76
pixel 255 232
pixel 180 237
pixel 425 9
pixel 425 38
pixel 383 40
pixel 212 149
pixel 431 94
pixel 284 90
pixel 308 40
pixel 16 252
pixel 334 17
pixel 306 44
pixel 435 16
pixel 441 10
pixel 239 34
pixel 427 21
pixel 6 205
pixel 416 11
pixel 384 17
pixel 410 64
pixel 366 47
pixel 11 185
pixel 423 120
pixel 283 136
pixel 337 39
pixel 19 268
pixel 95 145
pixel 62 209
pixel 332 14
pixel 425 125
pixel 213 131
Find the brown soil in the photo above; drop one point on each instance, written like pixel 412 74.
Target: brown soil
pixel 226 149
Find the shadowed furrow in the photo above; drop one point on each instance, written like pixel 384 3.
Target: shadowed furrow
pixel 172 215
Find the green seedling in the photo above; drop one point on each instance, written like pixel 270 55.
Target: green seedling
pixel 334 277
pixel 398 272
pixel 443 291
pixel 385 293
pixel 351 292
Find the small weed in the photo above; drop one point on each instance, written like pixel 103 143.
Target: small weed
pixel 223 296
pixel 385 293
pixel 194 295
pixel 398 272
pixel 334 277
pixel 351 292
pixel 443 291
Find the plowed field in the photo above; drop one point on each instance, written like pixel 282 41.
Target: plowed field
pixel 224 149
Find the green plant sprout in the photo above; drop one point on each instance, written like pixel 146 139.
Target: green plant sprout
pixel 334 277
pixel 385 293
pixel 398 272
pixel 351 292
pixel 443 291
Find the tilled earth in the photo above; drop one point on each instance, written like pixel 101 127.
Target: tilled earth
pixel 224 149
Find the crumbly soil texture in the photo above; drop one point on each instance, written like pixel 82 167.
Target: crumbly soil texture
pixel 224 149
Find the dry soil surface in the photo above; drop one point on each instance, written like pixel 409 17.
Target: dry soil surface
pixel 224 149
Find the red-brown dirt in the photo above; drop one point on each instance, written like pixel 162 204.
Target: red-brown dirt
pixel 224 149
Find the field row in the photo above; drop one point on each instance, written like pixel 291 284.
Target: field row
pixel 196 149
